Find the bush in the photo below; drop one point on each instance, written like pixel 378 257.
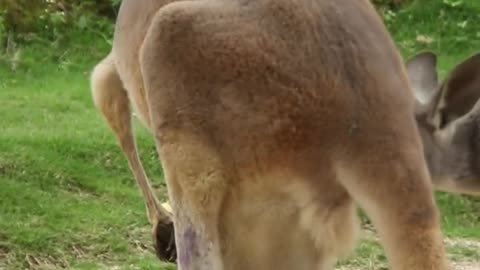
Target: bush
pixel 61 28
pixel 50 20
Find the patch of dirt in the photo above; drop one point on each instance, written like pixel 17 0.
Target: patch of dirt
pixel 7 167
pixel 466 265
pixel 140 238
pixel 44 263
pixel 71 184
pixel 467 243
pixel 369 233
pixel 457 266
pixel 79 251
pixel 4 251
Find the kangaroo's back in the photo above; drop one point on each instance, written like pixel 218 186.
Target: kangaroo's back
pixel 306 73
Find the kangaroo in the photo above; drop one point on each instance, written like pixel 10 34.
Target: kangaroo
pixel 273 120
pixel 449 137
pixel 448 117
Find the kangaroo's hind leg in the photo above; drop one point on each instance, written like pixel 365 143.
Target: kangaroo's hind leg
pixel 391 182
pixel 111 99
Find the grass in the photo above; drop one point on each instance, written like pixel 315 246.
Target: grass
pixel 67 198
pixel 65 184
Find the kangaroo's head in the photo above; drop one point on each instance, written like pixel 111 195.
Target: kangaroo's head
pixel 448 117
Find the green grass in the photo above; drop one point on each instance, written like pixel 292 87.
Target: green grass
pixel 67 198
pixel 64 181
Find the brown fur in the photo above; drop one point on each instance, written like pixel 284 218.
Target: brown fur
pixel 272 119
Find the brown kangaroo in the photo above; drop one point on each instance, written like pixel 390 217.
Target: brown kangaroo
pixel 448 115
pixel 272 119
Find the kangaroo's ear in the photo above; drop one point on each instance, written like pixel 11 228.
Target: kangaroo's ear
pixel 422 73
pixel 458 93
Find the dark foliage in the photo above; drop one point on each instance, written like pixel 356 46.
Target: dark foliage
pixel 29 20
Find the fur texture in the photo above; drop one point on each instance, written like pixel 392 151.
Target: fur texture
pixel 273 119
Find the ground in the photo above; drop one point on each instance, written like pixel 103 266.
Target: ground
pixel 68 200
